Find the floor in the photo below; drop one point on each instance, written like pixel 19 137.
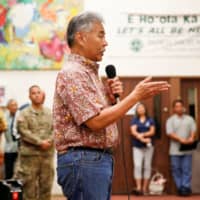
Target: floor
pixel 118 197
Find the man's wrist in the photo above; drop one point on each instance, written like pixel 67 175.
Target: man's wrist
pixel 139 136
pixel 134 96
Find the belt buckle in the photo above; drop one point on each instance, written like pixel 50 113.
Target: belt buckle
pixel 108 150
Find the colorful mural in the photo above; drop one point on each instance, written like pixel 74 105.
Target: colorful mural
pixel 32 33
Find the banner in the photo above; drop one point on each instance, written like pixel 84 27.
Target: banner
pixel 154 35
pixel 32 33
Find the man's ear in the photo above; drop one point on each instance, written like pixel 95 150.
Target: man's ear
pixel 80 38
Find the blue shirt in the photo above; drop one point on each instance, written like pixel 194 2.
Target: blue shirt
pixel 142 127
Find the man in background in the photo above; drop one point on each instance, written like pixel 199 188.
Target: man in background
pixel 11 144
pixel 36 148
pixel 181 130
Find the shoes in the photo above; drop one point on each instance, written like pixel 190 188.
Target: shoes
pixel 184 192
pixel 137 192
pixel 146 193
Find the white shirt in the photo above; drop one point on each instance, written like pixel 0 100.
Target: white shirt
pixel 182 126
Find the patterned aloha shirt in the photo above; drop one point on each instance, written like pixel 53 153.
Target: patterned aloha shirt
pixel 79 96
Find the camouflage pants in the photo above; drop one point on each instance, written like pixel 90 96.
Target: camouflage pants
pixel 36 173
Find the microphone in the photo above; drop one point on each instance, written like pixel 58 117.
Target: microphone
pixel 111 73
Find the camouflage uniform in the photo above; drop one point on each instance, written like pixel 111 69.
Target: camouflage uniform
pixel 36 165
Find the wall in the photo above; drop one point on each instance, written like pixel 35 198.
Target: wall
pixel 126 66
pixel 139 66
pixel 18 82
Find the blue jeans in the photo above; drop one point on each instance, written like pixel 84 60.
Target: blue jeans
pixel 85 174
pixel 182 171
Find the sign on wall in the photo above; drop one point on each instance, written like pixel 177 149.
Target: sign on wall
pixel 155 35
pixel 32 32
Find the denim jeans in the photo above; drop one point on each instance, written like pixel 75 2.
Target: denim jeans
pixel 85 174
pixel 182 171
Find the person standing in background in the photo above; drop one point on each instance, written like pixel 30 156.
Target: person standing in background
pixel 16 135
pixel 36 150
pixel 11 144
pixel 3 127
pixel 3 124
pixel 181 129
pixel 142 130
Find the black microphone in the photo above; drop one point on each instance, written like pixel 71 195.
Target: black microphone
pixel 111 73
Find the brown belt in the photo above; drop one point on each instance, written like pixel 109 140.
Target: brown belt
pixel 82 148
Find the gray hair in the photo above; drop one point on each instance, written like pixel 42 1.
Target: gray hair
pixel 82 22
pixel 11 101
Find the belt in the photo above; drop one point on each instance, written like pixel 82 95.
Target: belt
pixel 82 148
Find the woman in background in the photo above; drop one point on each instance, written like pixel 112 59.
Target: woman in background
pixel 142 130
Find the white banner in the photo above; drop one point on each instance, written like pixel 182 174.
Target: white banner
pixel 154 35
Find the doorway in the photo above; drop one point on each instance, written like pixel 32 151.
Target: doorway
pixel 158 108
pixel 190 92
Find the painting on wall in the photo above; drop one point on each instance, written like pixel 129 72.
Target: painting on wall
pixel 32 33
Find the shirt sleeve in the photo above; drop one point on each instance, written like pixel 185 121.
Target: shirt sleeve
pixel 134 121
pixel 169 126
pixel 151 121
pixel 78 92
pixel 193 125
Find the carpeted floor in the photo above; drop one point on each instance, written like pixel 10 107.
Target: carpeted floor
pixel 118 197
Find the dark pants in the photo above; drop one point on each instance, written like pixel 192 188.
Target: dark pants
pixel 10 159
pixel 182 171
pixel 85 175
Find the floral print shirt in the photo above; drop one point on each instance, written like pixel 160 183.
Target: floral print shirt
pixel 79 96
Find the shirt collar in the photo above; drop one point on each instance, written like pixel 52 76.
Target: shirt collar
pixel 87 63
pixel 180 117
pixel 36 111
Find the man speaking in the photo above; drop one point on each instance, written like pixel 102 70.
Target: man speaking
pixel 85 112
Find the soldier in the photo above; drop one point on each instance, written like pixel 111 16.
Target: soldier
pixel 36 148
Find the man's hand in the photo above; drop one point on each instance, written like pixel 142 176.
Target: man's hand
pixel 146 88
pixel 115 86
pixel 189 140
pixel 46 144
